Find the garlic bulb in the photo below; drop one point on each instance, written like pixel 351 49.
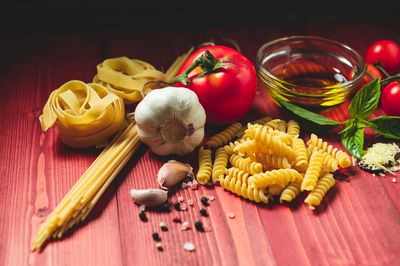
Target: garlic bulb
pixel 171 121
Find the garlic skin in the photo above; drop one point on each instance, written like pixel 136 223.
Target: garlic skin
pixel 149 197
pixel 171 121
pixel 173 172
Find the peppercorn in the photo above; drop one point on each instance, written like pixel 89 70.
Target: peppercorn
pixel 142 216
pixel 204 200
pixel 203 212
pixel 163 226
pixel 159 246
pixel 199 226
pixel 156 237
pixel 177 206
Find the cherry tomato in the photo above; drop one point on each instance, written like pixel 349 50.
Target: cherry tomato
pixel 390 99
pixel 226 93
pixel 386 52
pixel 366 78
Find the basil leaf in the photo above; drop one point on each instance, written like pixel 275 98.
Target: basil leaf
pixel 310 121
pixel 353 140
pixel 366 100
pixel 387 126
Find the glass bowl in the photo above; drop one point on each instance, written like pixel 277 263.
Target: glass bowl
pixel 309 71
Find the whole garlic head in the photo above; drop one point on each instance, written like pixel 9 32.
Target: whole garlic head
pixel 171 120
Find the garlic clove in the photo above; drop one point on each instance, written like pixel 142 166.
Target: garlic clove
pixel 149 197
pixel 173 172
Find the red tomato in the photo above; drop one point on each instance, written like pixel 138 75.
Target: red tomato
pixel 226 93
pixel 390 98
pixel 366 78
pixel 385 51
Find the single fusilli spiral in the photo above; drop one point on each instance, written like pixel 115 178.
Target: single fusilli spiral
pixel 282 125
pixel 274 190
pixel 324 184
pixel 280 176
pixel 224 136
pixel 205 165
pixel 220 163
pixel 316 143
pixel 313 171
pixel 271 161
pixel 330 162
pixel 291 191
pixel 246 164
pixel 235 180
pixel 301 160
pixel 293 128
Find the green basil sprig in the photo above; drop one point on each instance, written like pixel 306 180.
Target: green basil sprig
pixel 361 107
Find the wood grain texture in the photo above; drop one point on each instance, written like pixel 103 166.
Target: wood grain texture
pixel 358 222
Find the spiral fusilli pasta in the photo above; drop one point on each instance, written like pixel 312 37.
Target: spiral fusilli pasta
pixel 274 124
pixel 293 128
pixel 224 136
pixel 291 191
pixel 330 162
pixel 236 181
pixel 316 143
pixel 229 148
pixel 245 164
pixel 273 142
pixel 247 147
pixel 301 160
pixel 282 125
pixel 271 161
pixel 280 176
pixel 260 121
pixel 313 171
pixel 324 184
pixel 205 165
pixel 220 163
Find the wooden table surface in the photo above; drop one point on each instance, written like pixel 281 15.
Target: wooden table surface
pixel 358 222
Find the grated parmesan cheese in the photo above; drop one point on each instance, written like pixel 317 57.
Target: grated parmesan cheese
pixel 382 157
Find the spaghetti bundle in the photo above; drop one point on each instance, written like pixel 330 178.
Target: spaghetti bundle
pixel 80 200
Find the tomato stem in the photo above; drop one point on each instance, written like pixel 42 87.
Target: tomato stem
pixel 379 66
pixel 388 77
pixel 208 64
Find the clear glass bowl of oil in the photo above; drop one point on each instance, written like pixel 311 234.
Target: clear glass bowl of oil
pixel 309 71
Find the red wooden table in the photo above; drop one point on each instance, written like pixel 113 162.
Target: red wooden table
pixel 358 222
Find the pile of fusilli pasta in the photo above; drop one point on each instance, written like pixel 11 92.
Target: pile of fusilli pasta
pixel 267 159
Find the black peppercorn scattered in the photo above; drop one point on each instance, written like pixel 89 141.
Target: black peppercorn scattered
pixel 177 206
pixel 199 226
pixel 156 237
pixel 204 200
pixel 142 216
pixel 203 212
